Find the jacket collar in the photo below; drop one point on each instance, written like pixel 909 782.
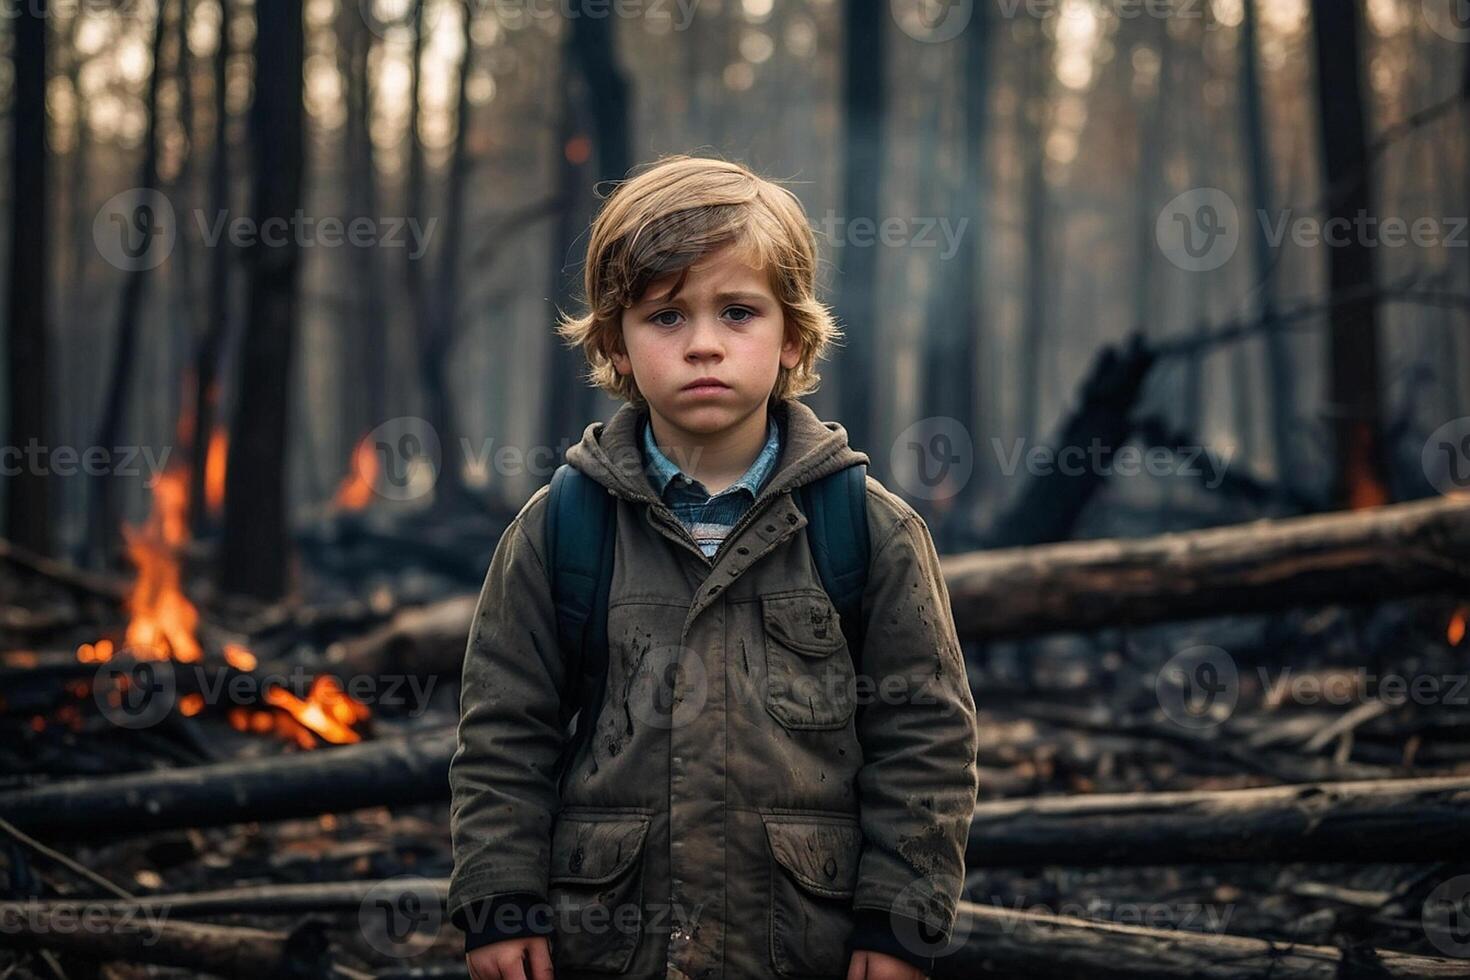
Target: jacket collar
pixel 661 469
pixel 610 453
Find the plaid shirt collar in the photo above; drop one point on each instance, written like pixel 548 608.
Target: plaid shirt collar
pixel 662 472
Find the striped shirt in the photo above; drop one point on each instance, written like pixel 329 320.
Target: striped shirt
pixel 709 518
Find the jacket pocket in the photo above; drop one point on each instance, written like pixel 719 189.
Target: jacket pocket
pixel 596 888
pixel 814 867
pixel 808 668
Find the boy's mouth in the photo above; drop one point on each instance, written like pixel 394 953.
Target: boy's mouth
pixel 706 386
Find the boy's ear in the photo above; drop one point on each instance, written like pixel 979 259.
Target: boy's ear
pixel 619 355
pixel 791 353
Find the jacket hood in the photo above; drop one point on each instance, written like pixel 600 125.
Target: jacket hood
pixel 810 449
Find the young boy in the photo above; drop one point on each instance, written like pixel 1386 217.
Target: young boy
pixel 745 806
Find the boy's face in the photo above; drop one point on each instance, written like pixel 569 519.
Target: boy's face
pixel 725 323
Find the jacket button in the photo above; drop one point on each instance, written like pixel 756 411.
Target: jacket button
pixel 713 589
pixel 790 518
pixel 770 527
pixel 742 550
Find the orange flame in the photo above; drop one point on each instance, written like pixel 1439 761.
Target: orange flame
pixel 239 658
pixel 355 491
pixel 163 619
pixel 163 623
pixel 214 470
pixel 327 711
pixel 1455 632
pixel 1364 489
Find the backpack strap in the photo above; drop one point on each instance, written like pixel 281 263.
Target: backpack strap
pixel 836 509
pixel 581 526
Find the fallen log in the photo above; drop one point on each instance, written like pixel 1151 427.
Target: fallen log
pixel 990 940
pixel 286 899
pixel 1264 566
pixel 424 640
pixel 386 772
pixel 1361 821
pixel 146 937
pixel 1003 942
pixel 80 581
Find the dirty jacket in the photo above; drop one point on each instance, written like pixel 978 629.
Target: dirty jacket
pixel 745 804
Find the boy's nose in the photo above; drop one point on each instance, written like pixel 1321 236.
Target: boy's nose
pixel 704 339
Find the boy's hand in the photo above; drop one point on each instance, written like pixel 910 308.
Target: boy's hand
pixel 507 960
pixel 870 965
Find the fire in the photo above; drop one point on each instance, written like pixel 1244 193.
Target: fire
pixel 163 619
pixel 214 470
pixel 1455 632
pixel 239 658
pixel 355 491
pixel 1365 489
pixel 327 711
pixel 163 624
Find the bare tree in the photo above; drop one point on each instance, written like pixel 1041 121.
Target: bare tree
pixel 211 339
pixel 256 530
pixel 954 322
pixel 1359 460
pixel 104 514
pixel 27 513
pixel 865 23
pixel 593 128
pixel 1033 113
pixel 1280 401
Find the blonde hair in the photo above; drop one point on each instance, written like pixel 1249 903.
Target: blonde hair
pixel 664 220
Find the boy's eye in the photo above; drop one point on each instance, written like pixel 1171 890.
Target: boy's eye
pixel 672 318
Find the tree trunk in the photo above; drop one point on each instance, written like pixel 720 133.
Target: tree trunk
pixel 865 22
pixel 381 773
pixel 1359 456
pixel 1279 395
pixel 1007 942
pixel 1263 566
pixel 216 328
pixel 1039 274
pixel 954 323
pixel 256 526
pixel 594 124
pixel 105 514
pixel 438 335
pixel 27 508
pixel 1369 821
